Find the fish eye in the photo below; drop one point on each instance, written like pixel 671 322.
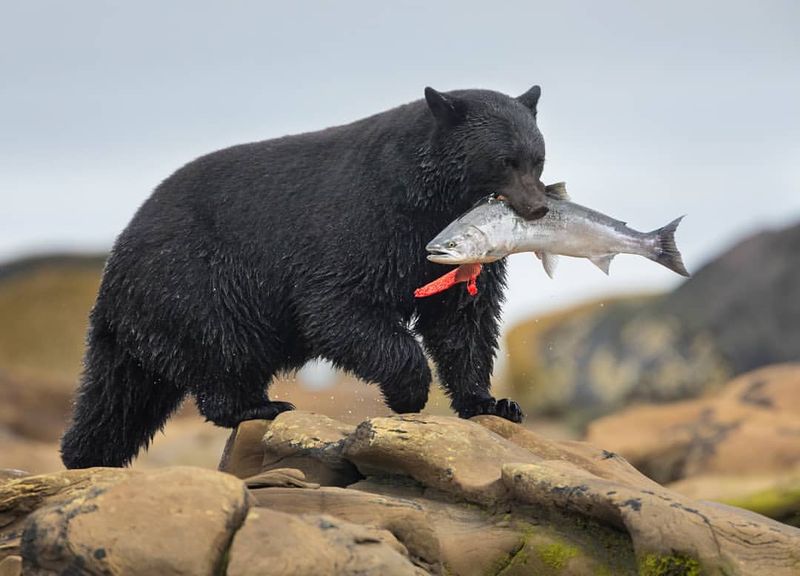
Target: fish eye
pixel 451 244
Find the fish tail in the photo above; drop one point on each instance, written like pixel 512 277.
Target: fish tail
pixel 666 252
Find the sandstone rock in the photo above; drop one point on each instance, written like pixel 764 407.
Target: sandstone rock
pixel 11 566
pixel 734 315
pixel 7 474
pixel 776 495
pixel 303 440
pixel 440 496
pixel 519 540
pixel 662 524
pixel 172 521
pixel 243 455
pixel 751 426
pixel 21 496
pixel 602 463
pixel 279 478
pixel 269 544
pixel 437 451
pixel 404 518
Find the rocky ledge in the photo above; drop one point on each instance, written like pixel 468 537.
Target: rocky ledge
pixel 307 495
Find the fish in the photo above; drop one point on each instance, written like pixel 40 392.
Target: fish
pixel 491 230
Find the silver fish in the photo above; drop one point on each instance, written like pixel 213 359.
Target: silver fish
pixel 492 230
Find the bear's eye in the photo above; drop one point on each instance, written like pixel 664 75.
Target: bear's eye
pixel 451 244
pixel 510 162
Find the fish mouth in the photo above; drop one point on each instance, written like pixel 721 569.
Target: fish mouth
pixel 443 255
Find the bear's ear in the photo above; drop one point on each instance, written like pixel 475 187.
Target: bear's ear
pixel 447 110
pixel 531 98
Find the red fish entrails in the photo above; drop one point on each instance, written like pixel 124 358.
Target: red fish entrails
pixel 465 273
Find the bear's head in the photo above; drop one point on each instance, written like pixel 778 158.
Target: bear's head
pixel 498 144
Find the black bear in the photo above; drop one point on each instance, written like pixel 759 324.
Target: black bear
pixel 257 258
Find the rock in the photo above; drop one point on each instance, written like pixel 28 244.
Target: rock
pixel 732 316
pixel 750 426
pixel 516 541
pixel 268 545
pixel 279 478
pixel 665 527
pixel 775 495
pixel 21 496
pixel 743 298
pixel 435 495
pixel 404 518
pixel 7 474
pixel 602 463
pixel 172 521
pixel 295 439
pixel 11 566
pixel 437 451
pixel 243 454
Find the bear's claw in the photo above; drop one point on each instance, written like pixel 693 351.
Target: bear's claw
pixel 503 408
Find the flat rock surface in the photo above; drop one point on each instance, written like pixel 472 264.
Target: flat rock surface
pixel 437 451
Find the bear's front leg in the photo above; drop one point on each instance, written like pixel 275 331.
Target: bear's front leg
pixel 376 347
pixel 460 333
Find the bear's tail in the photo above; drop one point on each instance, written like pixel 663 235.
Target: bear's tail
pixel 118 410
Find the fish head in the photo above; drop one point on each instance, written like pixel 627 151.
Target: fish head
pixel 461 244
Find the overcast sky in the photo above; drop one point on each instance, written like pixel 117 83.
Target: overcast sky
pixel 649 110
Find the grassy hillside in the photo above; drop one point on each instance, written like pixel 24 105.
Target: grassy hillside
pixel 44 309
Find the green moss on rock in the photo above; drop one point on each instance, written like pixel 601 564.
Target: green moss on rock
pixel 672 565
pixel 781 503
pixel 556 555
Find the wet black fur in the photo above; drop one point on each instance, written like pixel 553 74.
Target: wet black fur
pixel 254 259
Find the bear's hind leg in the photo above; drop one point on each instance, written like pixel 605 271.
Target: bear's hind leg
pixel 119 407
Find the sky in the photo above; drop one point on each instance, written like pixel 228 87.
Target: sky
pixel 649 110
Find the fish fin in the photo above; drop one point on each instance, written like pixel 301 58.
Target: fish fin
pixel 549 261
pixel 603 262
pixel 557 191
pixel 667 253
